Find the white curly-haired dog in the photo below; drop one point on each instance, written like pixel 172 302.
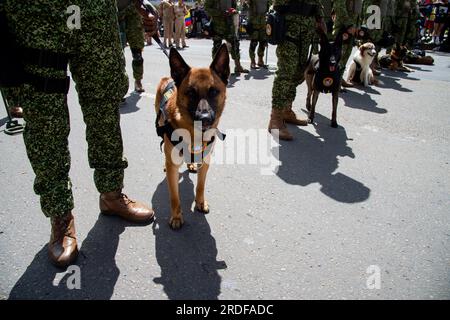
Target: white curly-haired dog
pixel 360 70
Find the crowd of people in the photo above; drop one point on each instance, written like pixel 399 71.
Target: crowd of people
pixel 95 57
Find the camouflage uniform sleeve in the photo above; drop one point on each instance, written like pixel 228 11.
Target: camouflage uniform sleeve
pixel 342 16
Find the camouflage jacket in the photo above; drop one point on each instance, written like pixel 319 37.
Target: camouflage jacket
pixel 257 11
pixel 347 12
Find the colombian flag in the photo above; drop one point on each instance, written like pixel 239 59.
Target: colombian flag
pixel 187 19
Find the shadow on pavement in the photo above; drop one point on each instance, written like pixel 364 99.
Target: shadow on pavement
pixel 310 159
pixel 187 257
pixel 363 101
pixel 98 269
pixel 130 105
pixel 3 121
pixel 258 74
pixel 233 79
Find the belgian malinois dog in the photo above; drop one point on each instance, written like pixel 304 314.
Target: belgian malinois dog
pixel 189 106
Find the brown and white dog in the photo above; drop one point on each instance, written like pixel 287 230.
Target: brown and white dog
pixel 360 70
pixel 189 106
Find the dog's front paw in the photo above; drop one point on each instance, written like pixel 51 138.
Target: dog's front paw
pixel 202 207
pixel 176 222
pixel 334 124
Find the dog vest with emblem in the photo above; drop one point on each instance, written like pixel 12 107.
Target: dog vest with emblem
pixel 195 154
pixel 326 81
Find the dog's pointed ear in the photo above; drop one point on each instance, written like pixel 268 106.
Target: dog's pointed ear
pixel 178 67
pixel 221 63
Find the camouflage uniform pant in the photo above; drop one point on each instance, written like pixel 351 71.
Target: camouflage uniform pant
pixel 258 36
pixel 401 28
pixel 133 30
pixel 97 66
pixel 292 60
pixel 223 29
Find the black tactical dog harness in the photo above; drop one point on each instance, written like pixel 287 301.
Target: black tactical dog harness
pixel 195 154
pixel 326 81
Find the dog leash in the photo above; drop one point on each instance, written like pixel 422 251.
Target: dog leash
pixel 150 9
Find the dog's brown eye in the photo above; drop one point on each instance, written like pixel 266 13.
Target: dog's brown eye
pixel 213 92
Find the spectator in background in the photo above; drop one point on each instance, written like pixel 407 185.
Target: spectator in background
pixel 440 10
pixel 180 12
pixel 167 13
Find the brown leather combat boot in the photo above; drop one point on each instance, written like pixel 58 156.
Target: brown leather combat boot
pixel 116 203
pixel 138 86
pixel 253 64
pixel 16 112
pixel 62 248
pixel 261 62
pixel 289 116
pixel 277 123
pixel 239 68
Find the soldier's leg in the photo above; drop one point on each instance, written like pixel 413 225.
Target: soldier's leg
pixel 98 70
pixel 217 42
pixel 251 52
pixel 135 35
pixel 46 115
pixel 284 88
pixel 232 39
pixel 261 50
pixel 45 138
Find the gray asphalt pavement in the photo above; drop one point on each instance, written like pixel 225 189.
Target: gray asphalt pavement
pixel 372 195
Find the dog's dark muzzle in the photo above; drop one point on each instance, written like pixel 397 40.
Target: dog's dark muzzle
pixel 204 114
pixel 207 118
